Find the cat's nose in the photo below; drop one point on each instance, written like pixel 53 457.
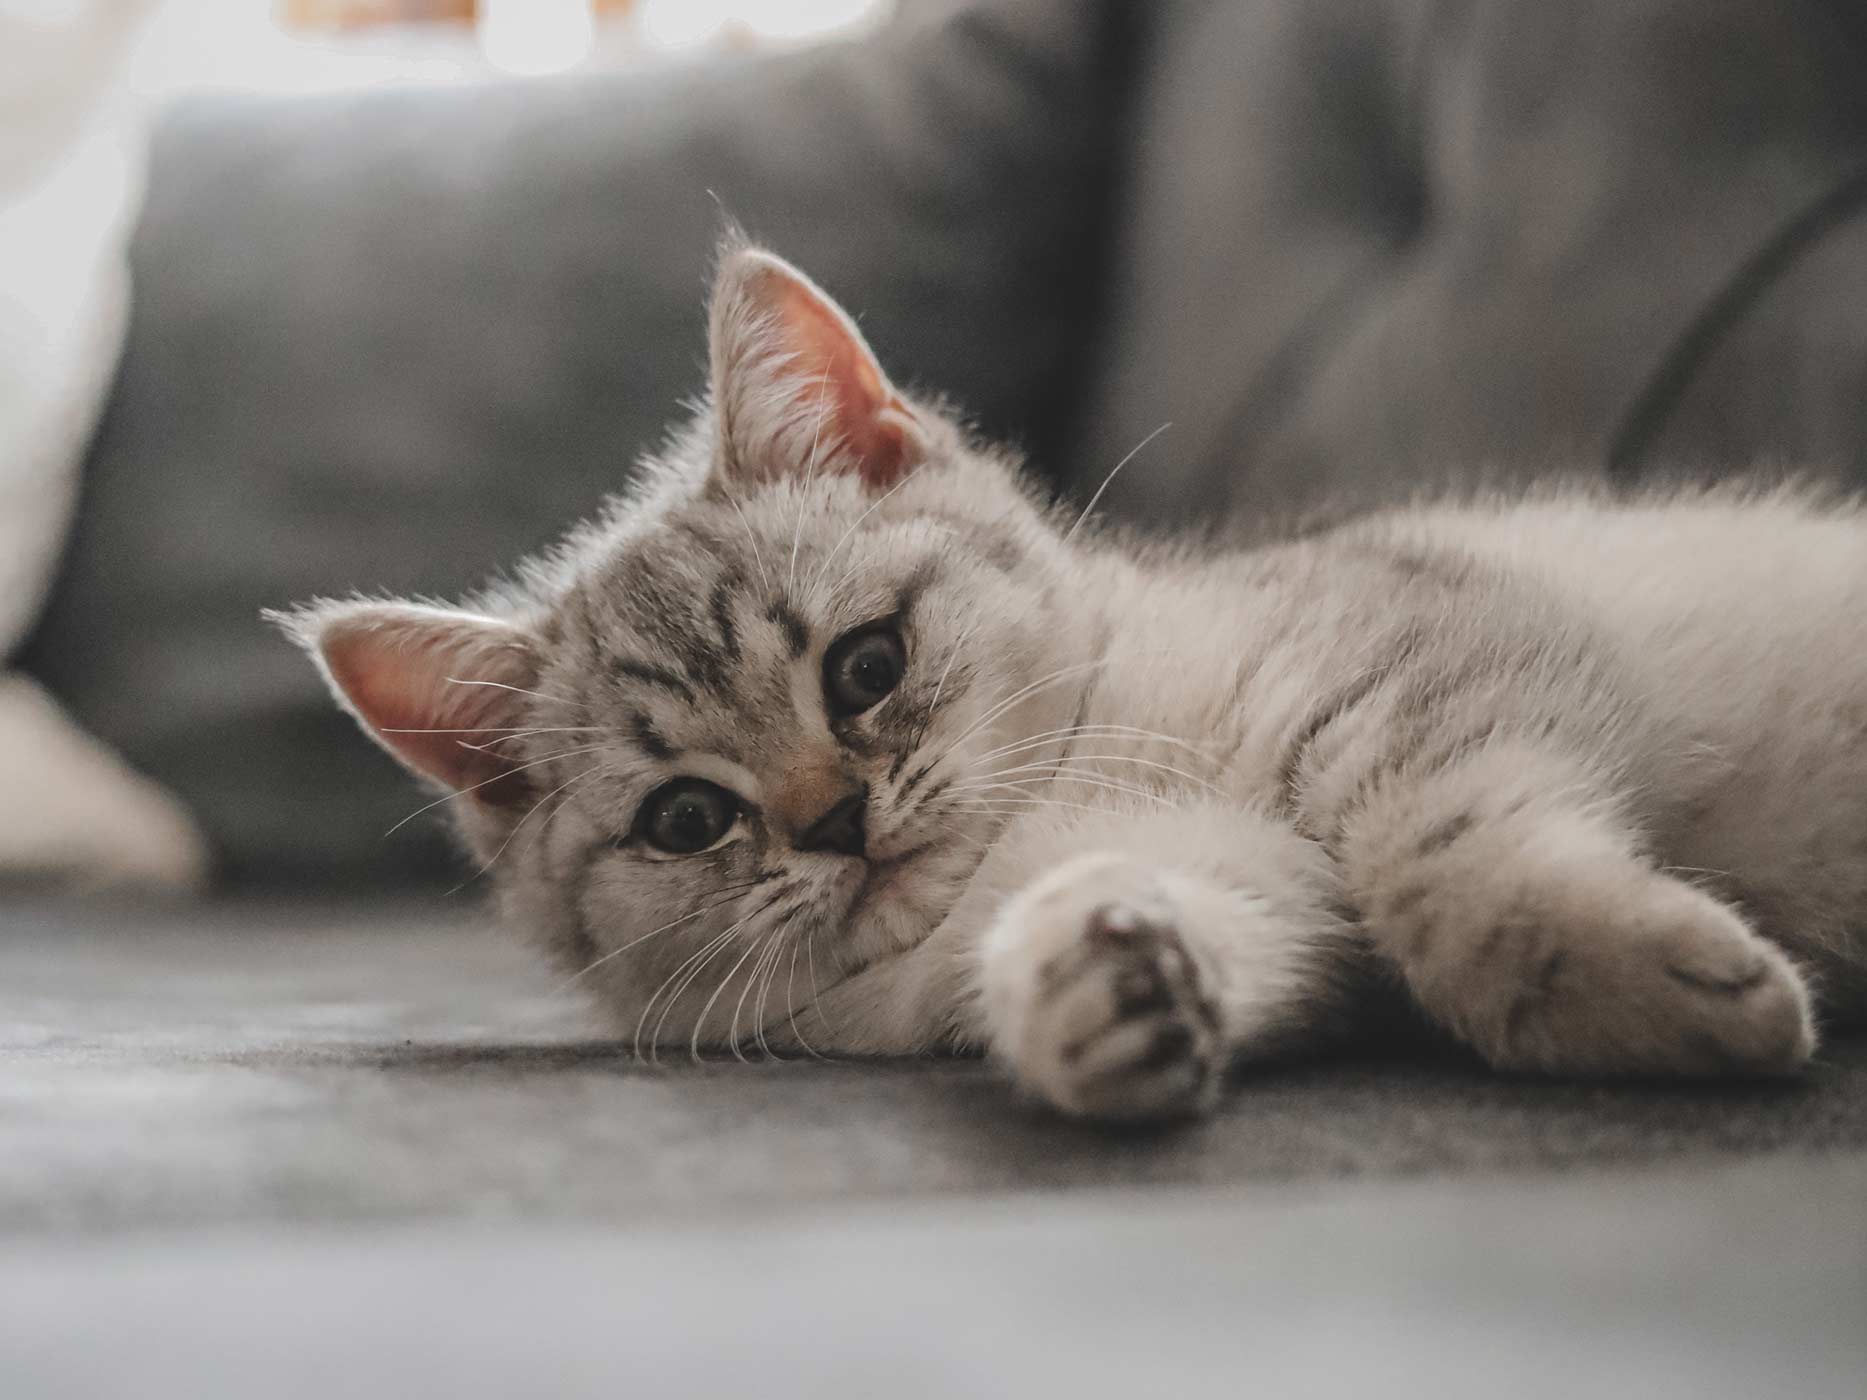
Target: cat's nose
pixel 840 829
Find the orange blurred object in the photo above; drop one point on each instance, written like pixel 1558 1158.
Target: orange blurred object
pixel 359 14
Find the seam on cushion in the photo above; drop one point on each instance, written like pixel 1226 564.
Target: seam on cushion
pixel 1654 405
pixel 1275 390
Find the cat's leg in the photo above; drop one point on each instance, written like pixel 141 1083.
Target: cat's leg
pixel 1509 890
pixel 1152 949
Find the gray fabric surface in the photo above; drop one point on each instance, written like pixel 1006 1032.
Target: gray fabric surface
pixel 254 1064
pixel 1366 246
pixel 393 341
pixel 1700 1285
pixel 265 1150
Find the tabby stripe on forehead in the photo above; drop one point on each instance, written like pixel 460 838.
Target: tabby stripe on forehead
pixel 653 675
pixel 916 584
pixel 796 634
pixel 667 615
pixel 704 658
pixel 650 738
pixel 722 606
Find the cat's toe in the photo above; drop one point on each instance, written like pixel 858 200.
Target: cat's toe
pixel 1682 987
pixel 1750 1012
pixel 1122 1029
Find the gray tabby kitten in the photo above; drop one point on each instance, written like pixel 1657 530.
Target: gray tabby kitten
pixel 829 738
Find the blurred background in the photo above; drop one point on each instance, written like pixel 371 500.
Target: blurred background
pixel 301 297
pixel 317 295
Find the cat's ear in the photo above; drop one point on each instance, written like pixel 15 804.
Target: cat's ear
pixel 439 689
pixel 796 389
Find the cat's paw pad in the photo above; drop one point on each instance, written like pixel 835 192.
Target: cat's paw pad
pixel 1115 1022
pixel 1125 1029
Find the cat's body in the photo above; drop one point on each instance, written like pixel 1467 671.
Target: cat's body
pixel 1123 814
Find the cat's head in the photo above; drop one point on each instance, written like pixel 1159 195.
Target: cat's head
pixel 734 740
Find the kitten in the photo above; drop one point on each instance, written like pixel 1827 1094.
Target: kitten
pixel 830 738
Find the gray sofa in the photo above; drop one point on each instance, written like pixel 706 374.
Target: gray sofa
pixel 1348 248
pixel 1345 247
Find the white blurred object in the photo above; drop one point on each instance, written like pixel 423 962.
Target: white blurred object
pixel 91 822
pixel 806 19
pixel 71 179
pixel 71 173
pixel 238 46
pixel 674 24
pixel 535 36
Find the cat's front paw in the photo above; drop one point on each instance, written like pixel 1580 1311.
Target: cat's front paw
pixel 1097 1004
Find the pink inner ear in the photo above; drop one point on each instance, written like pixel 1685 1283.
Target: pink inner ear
pixel 837 368
pixel 429 689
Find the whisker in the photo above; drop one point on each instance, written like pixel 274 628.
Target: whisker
pixel 728 893
pixel 635 1044
pixel 1058 764
pixel 1060 674
pixel 847 575
pixel 816 992
pixel 1012 806
pixel 1022 783
pixel 732 1032
pixel 1132 453
pixel 1038 785
pixel 933 705
pixel 697 961
pixel 700 1022
pixel 810 587
pixel 764 995
pixel 518 690
pixel 490 746
pixel 497 777
pixel 810 474
pixel 752 541
pixel 499 729
pixel 774 948
pixel 530 813
pixel 712 951
pixel 791 1001
pixel 956 833
pixel 1104 730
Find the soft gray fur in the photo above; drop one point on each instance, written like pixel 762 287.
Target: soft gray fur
pixel 1583 782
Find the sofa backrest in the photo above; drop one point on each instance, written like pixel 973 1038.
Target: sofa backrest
pixel 1371 244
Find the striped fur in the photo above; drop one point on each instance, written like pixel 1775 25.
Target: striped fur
pixel 1581 783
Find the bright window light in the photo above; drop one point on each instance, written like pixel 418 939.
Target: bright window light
pixel 535 36
pixel 676 24
pixel 251 45
pixel 803 19
pixel 681 23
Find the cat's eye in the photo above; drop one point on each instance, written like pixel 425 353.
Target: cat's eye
pixel 686 815
pixel 861 668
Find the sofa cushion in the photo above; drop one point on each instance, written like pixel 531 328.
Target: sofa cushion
pixel 1367 246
